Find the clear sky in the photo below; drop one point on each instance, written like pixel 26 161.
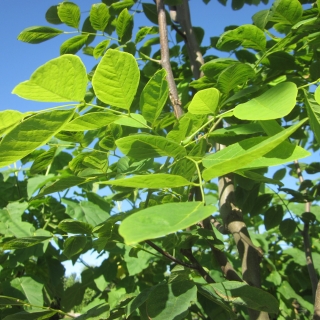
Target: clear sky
pixel 19 60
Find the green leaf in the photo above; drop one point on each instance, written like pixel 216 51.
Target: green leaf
pixel 5 301
pixel 30 288
pixel 91 121
pixel 143 32
pixel 214 67
pixel 86 211
pixel 150 10
pixel 31 134
pixel 22 243
pixel 61 184
pixel 35 315
pixel 42 162
pixel 273 216
pixel 154 96
pixel 258 177
pixel 241 154
pixel 73 45
pixel 161 220
pixel 74 245
pixel 76 227
pixel 52 15
pixel 124 25
pixel 8 119
pixel 275 103
pixel 152 181
pixel 247 36
pixel 171 301
pixel 99 16
pixel 143 146
pixel 313 109
pixel 287 227
pixel 69 13
pixel 100 48
pixel 205 102
pixel 135 120
pixel 38 34
pixel 122 4
pixel 59 80
pixel 285 12
pixel 242 294
pixel 116 79
pixel 234 76
pixel 260 19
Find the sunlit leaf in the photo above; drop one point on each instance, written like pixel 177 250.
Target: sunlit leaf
pixel 240 155
pixel 313 109
pixel 161 220
pixel 31 134
pixel 205 102
pixel 91 121
pixel 59 80
pixel 73 45
pixel 275 103
pixel 99 16
pixel 116 79
pixel 8 119
pixel 69 13
pixel 152 181
pixel 143 146
pixel 154 96
pixel 124 25
pixel 38 34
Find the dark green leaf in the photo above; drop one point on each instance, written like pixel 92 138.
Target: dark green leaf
pixel 74 245
pixel 22 243
pixel 76 227
pixel 287 227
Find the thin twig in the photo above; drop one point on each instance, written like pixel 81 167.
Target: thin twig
pixel 165 59
pixel 204 274
pixel 169 256
pixel 307 242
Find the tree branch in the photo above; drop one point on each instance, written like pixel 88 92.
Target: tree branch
pixel 307 242
pixel 233 221
pixel 316 314
pixel 188 253
pixel 165 59
pixel 169 256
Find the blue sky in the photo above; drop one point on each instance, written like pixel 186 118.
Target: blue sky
pixel 19 60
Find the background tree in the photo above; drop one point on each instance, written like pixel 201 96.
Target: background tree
pixel 127 163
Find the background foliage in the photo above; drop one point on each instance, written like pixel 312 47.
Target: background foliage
pixel 127 161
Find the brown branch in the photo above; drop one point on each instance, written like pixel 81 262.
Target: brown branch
pixel 307 242
pixel 316 314
pixel 165 59
pixel 232 218
pixel 169 256
pixel 204 274
pixel 194 53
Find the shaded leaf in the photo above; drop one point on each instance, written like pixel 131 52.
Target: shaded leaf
pixel 100 48
pixel 22 243
pixel 247 36
pixel 313 110
pixel 287 227
pixel 52 15
pixel 74 245
pixel 161 220
pixel 35 315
